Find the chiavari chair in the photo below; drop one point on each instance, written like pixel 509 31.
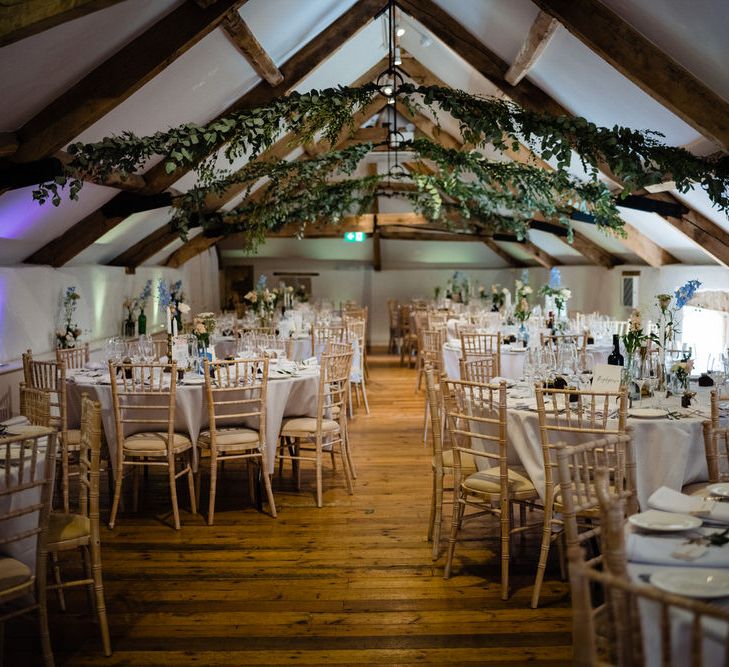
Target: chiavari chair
pixel 476 416
pixel 236 397
pixel 74 357
pixel 144 416
pixel 478 369
pixel 430 350
pixel 482 344
pixel 308 438
pixel 6 405
pixel 355 332
pixel 322 334
pixel 27 465
pixel 589 416
pixel 395 341
pixel 69 532
pixel 409 337
pixel 618 622
pixel 579 340
pixel 35 405
pixel 50 376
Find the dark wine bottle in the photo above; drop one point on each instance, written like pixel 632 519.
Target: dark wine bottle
pixel 615 358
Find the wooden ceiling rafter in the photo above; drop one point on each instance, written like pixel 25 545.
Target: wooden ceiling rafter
pixel 469 48
pixel 246 42
pixel 540 34
pixel 30 17
pixel 117 78
pixel 641 61
pixel 62 249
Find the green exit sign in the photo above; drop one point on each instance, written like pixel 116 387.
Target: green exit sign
pixel 354 237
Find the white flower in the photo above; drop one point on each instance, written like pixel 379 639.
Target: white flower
pixel 204 315
pixel 527 290
pixel 183 307
pixel 566 293
pixel 505 291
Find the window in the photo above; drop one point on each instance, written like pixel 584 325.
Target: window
pixel 706 332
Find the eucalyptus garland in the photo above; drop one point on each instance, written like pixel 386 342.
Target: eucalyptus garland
pixel 493 195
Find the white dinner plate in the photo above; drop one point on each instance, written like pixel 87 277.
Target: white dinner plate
pixel 647 413
pixel 693 582
pixel 655 520
pixel 718 489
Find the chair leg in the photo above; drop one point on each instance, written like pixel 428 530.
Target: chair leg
pixel 213 485
pixel 426 419
pixel 506 510
pixel 117 496
pixel 438 515
pixel 137 473
pixel 251 482
pixel 269 490
pixel 347 472
pixel 45 635
pixel 522 523
pixel 319 502
pixel 458 509
pixel 348 449
pixel 64 482
pixel 191 484
pixel 364 397
pixel 543 553
pixel 86 560
pixel 98 587
pixel 58 580
pixel 171 468
pixel 431 517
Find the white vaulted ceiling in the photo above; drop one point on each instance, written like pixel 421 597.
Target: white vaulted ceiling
pixel 206 79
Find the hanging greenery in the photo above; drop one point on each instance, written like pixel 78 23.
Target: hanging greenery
pixel 490 194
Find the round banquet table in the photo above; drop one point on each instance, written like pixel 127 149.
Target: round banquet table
pixel 668 452
pixel 297 348
pixel 286 396
pixel 511 359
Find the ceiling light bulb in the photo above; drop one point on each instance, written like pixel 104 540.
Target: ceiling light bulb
pixel 391 100
pixel 425 41
pixel 399 31
pixel 398 56
pixel 387 90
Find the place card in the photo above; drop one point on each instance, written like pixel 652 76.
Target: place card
pixel 606 378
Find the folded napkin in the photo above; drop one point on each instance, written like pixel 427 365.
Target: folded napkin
pixel 669 500
pixel 677 550
pixel 311 361
pixel 16 421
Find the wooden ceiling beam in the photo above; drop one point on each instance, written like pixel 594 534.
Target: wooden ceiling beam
pixel 452 33
pixel 539 36
pixel 701 230
pixel 81 235
pixel 641 61
pixel 245 41
pixel 542 257
pixel 117 78
pixel 500 252
pixel 649 251
pixel 592 251
pixel 19 20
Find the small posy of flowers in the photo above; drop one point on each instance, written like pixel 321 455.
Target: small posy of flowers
pixel 560 295
pixel 69 332
pixel 203 324
pixel 636 338
pixel 522 309
pixel 129 304
pixel 263 300
pixel 682 370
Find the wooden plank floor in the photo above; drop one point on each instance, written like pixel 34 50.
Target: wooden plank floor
pixel 351 583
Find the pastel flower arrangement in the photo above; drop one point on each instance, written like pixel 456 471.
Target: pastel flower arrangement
pixel 171 296
pixel 636 339
pixel 68 334
pixel 263 300
pixel 522 309
pixel 203 324
pixel 498 296
pixel 144 296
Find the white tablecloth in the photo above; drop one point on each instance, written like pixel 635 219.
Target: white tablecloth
pixel 667 452
pixel 286 397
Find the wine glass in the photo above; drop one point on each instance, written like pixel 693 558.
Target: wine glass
pixel 586 369
pixel 115 349
pixel 146 348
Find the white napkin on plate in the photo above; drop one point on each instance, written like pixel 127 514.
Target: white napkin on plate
pixel 95 365
pixel 669 500
pixel 311 361
pixel 675 549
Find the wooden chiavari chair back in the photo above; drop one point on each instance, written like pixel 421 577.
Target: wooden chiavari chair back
pixel 478 369
pixel 74 357
pixel 481 344
pixel 323 334
pixel 579 340
pixel 27 465
pixel 35 404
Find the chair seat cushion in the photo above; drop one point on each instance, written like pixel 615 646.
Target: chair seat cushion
pixel 467 461
pixel 155 443
pixel 62 527
pixel 308 425
pixel 487 481
pixel 229 439
pixel 13 573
